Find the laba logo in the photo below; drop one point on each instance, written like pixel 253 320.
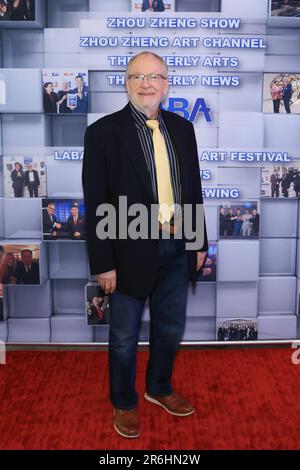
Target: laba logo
pixel 182 106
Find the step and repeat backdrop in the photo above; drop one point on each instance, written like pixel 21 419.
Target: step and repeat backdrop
pixel 234 71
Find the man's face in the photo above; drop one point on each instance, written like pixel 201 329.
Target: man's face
pixel 29 167
pixel 74 211
pixel 95 301
pixel 65 86
pixel 49 88
pixel 10 259
pixel 27 258
pixel 79 82
pixel 51 209
pixel 146 95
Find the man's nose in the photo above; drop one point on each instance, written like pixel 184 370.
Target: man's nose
pixel 146 83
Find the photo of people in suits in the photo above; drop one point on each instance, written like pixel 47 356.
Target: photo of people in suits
pixel 19 264
pixel 152 6
pixel 281 93
pixel 24 176
pixel 63 219
pixel 97 305
pixel 208 271
pixel 65 92
pixel 198 5
pixel 285 8
pixel 237 329
pixel 18 179
pixel 280 181
pixel 239 221
pixel 17 10
pixel 76 224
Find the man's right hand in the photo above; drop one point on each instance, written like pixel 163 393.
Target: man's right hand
pixel 108 281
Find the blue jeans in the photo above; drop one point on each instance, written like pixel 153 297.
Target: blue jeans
pixel 167 304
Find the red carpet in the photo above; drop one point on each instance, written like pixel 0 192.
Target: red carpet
pixel 245 399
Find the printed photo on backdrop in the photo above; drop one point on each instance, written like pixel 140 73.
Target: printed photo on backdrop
pixel 281 93
pixel 17 10
pixel 239 220
pixel 19 264
pixel 65 91
pixel 150 6
pixel 208 271
pixel 63 219
pixel 236 329
pixel 97 305
pixel 24 176
pixel 290 8
pixel 280 181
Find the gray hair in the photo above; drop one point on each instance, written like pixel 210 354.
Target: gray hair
pixel 156 56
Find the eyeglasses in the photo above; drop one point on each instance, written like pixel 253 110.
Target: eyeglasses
pixel 151 77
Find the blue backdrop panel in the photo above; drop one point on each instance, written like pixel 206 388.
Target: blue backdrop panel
pixel 29 330
pixel 3 331
pixel 278 256
pixel 23 218
pixel 275 131
pixel 25 130
pixel 238 260
pixel 237 299
pixel 200 329
pixel 277 295
pixel 67 260
pixel 202 300
pixel 28 301
pixel 71 329
pixel 241 129
pixel 277 327
pixel 279 218
pixel 68 296
pixel 18 82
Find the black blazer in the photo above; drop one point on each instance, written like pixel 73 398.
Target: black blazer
pixel 30 277
pixel 157 5
pixel 80 226
pixel 18 181
pixel 47 222
pixel 36 181
pixel 114 165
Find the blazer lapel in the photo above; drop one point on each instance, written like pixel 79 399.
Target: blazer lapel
pixel 133 148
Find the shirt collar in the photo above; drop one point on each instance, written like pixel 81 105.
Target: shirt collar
pixel 140 118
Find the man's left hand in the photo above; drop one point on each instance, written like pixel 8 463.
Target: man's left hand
pixel 200 259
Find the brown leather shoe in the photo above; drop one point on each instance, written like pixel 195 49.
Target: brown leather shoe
pixel 127 422
pixel 174 404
